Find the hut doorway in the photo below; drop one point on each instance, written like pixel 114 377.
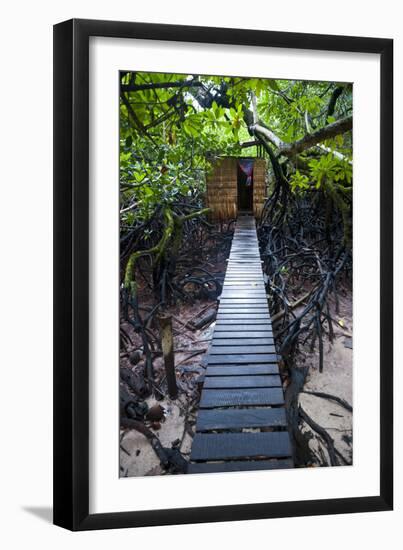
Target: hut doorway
pixel 245 185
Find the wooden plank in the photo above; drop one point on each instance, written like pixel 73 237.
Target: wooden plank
pixel 225 314
pixel 244 287
pixel 243 278
pixel 232 285
pixel 243 309
pixel 254 303
pixel 217 342
pixel 243 297
pixel 222 322
pixel 235 398
pixel 225 446
pixel 240 299
pixel 240 296
pixel 228 350
pixel 225 308
pixel 249 289
pixel 258 381
pixel 256 285
pixel 239 365
pixel 232 419
pixel 237 304
pixel 247 327
pixel 232 272
pixel 242 370
pixel 237 358
pixel 239 293
pixel 230 275
pixel 239 466
pixel 243 316
pixel 243 313
pixel 244 332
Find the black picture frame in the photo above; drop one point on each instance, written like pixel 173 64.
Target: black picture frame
pixel 71 274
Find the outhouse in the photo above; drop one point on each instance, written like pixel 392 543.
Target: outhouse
pixel 236 185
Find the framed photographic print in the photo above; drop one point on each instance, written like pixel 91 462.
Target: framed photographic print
pixel 223 320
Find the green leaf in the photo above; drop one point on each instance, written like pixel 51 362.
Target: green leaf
pixel 273 85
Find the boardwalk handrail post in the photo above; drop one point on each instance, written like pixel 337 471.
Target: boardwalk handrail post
pixel 167 345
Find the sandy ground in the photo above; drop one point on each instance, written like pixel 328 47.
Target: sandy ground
pixel 336 379
pixel 137 458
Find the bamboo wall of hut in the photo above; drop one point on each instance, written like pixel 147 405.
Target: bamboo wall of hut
pixel 222 188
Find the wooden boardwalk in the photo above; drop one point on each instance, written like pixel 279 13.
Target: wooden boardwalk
pixel 241 423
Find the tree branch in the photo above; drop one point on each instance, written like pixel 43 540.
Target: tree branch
pixel 333 99
pixel 331 130
pixel 269 135
pixel 246 144
pixel 160 85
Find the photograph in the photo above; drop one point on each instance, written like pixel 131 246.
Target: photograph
pixel 212 304
pixel 236 269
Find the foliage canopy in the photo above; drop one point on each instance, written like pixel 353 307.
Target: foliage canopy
pixel 173 126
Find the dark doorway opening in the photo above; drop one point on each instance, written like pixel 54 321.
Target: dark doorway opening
pixel 245 190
